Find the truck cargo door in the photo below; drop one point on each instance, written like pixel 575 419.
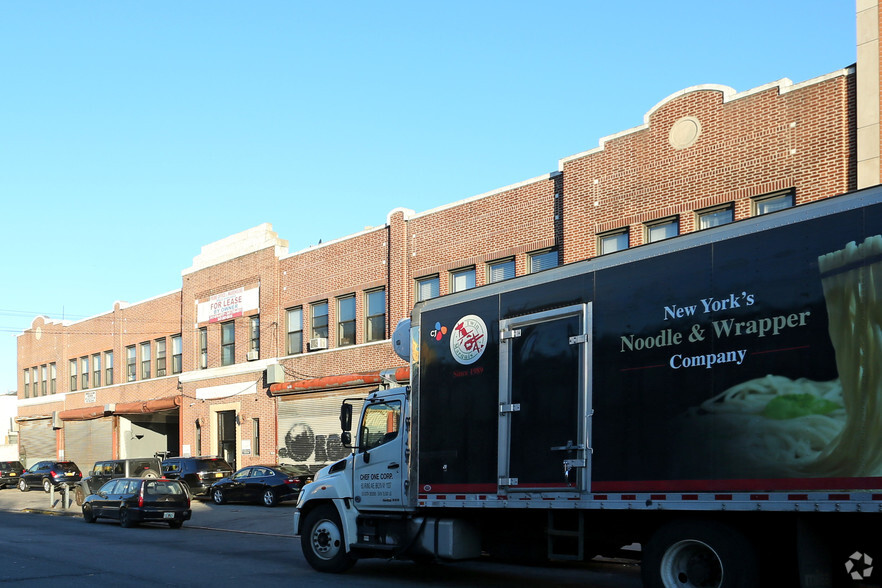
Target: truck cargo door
pixel 544 400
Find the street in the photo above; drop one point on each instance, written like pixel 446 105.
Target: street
pixel 39 548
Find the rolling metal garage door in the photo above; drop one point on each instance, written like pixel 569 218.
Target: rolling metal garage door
pixel 36 441
pixel 86 442
pixel 309 427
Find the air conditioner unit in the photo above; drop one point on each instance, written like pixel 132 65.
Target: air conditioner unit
pixel 318 343
pixel 252 355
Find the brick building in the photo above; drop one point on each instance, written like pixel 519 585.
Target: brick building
pixel 240 360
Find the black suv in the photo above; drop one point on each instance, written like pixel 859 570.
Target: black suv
pixel 198 473
pixel 103 471
pixel 10 473
pixel 45 474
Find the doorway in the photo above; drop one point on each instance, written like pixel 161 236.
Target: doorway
pixel 226 436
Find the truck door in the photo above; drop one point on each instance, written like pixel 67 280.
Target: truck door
pixel 545 402
pixel 379 460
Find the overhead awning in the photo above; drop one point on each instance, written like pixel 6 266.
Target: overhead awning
pixel 141 407
pixel 85 414
pixel 400 375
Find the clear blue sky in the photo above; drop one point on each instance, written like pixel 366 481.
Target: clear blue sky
pixel 133 133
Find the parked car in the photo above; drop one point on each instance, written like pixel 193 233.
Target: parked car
pixel 266 484
pixel 103 471
pixel 45 474
pixel 139 500
pixel 10 473
pixel 198 473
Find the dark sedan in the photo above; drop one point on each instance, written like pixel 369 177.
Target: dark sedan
pixel 138 500
pixel 266 484
pixel 46 474
pixel 10 473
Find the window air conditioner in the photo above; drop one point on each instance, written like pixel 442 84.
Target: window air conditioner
pixel 252 355
pixel 318 343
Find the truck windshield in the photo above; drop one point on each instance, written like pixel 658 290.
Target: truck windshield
pixel 380 424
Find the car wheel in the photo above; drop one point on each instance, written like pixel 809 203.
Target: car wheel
pixel 125 519
pixel 23 486
pixel 322 541
pixel 88 515
pixel 149 474
pixel 176 524
pixel 47 485
pixel 269 497
pixel 218 496
pixel 79 496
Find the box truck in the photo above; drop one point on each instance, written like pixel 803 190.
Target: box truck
pixel 715 397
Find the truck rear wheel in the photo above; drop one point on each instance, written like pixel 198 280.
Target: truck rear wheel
pixel 322 541
pixel 695 554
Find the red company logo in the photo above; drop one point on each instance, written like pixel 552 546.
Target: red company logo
pixel 468 339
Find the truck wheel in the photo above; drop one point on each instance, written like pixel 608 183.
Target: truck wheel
pixel 322 541
pixel 693 554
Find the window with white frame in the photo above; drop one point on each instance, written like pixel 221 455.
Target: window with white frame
pixel 319 320
pixel 131 364
pixel 228 343
pixel 203 348
pixel 715 217
pixel 662 229
pixel 53 378
pixel 500 270
pixel 427 288
pixel 96 370
pixel 543 260
pixel 160 358
pixel 375 315
pixel 73 376
pixel 295 330
pixel 346 320
pixel 772 202
pixel 612 241
pixel 462 279
pixel 84 372
pixel 108 368
pixel 177 354
pixel 254 339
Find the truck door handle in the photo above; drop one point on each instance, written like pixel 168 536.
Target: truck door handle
pixel 392 466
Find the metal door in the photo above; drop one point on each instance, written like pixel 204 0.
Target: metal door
pixel 545 401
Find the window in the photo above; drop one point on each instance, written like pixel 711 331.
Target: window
pixel 160 357
pixel 177 354
pixel 203 348
pixel 772 202
pixel 463 279
pixel 500 270
pixel 27 383
pixel 73 376
pixel 346 320
pixel 428 287
pixel 663 229
pixel 714 217
pixel 131 364
pixel 53 374
pixel 320 320
pixel 228 343
pixel 612 241
pixel 254 344
pixel 43 380
pixel 255 437
pixel 96 370
pixel 84 372
pixel 145 360
pixel 542 260
pixel 375 315
pixel 295 330
pixel 108 368
pixel 198 438
pixel 380 424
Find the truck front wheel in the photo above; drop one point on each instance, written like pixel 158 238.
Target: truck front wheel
pixel 697 554
pixel 322 541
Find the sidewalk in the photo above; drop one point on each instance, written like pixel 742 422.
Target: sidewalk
pixel 242 518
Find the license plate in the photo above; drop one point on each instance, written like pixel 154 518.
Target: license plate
pixel 12 475
pixel 168 515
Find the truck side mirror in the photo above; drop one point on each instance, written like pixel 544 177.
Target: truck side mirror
pixel 346 416
pixel 346 439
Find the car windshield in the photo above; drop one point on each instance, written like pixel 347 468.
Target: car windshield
pixel 212 465
pixel 163 488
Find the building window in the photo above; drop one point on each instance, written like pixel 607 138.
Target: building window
pixel 772 202
pixel 73 376
pixel 228 343
pixel 427 288
pixel 543 260
pixel 96 370
pixel 198 437
pixel 663 229
pixel 500 270
pixel 295 330
pixel 177 354
pixel 27 383
pixel 346 320
pixel 84 372
pixel 714 217
pixel 53 375
pixel 375 315
pixel 320 321
pixel 255 437
pixel 254 343
pixel 108 368
pixel 131 364
pixel 145 360
pixel 612 241
pixel 44 383
pixel 203 348
pixel 462 279
pixel 34 380
pixel 160 358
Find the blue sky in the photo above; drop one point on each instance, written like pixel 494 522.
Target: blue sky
pixel 133 133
